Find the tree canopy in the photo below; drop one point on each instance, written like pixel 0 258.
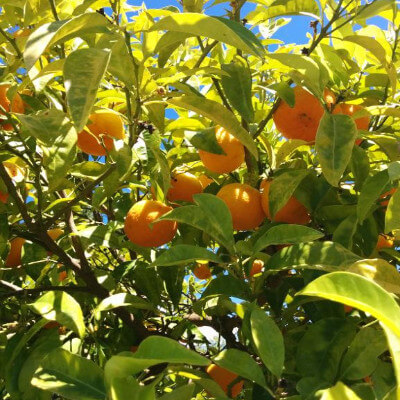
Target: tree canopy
pixel 191 208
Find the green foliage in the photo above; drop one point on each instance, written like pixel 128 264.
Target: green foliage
pixel 292 311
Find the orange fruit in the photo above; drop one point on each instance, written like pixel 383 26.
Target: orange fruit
pixel 52 325
pixel 387 196
pixel 55 233
pixel 103 126
pixel 244 203
pixel 3 197
pixel 183 187
pixel 62 276
pixel 223 163
pixel 224 378
pixel 384 242
pixel 20 33
pixel 202 271
pixel 205 180
pixel 138 220
pixel 16 173
pixel 14 255
pixel 301 121
pixel 17 105
pixel 293 212
pixel 347 309
pixel 256 267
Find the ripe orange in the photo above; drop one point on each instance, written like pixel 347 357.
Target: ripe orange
pixel 16 173
pixel 301 121
pixel 223 163
pixel 183 187
pixel 205 180
pixel 293 212
pixel 52 325
pixel 55 233
pixel 14 255
pixel 387 196
pixel 20 33
pixel 103 127
pixel 202 271
pixel 244 203
pixel 17 105
pixel 224 378
pixel 347 309
pixel 139 218
pixel 62 276
pixel 256 267
pixel 3 197
pixel 384 242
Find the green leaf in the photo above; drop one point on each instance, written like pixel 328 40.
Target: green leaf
pixel 83 72
pixel 221 29
pixel 59 31
pixel 379 271
pixel 219 114
pixel 370 192
pixel 345 231
pixel 334 145
pixel 210 215
pixel 122 300
pixel 89 170
pixel 205 140
pixel 152 350
pixel 339 391
pixel 359 165
pixel 286 149
pixel 268 341
pixel 71 376
pixel 277 8
pixel 282 188
pixel 57 138
pixel 129 388
pixel 305 66
pixel 157 160
pixel 321 348
pixel 181 393
pixel 227 285
pixel 242 364
pixel 237 87
pixel 328 255
pixel 167 44
pixel 361 358
pixel 392 215
pixel 61 307
pixel 379 52
pixel 393 340
pixel 184 253
pixel 286 234
pixel 286 93
pixel 47 342
pixel 359 292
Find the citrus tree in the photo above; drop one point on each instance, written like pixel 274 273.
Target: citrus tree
pixel 192 209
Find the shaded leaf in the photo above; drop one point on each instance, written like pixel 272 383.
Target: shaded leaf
pixel 334 145
pixel 184 253
pixel 359 292
pixel 268 341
